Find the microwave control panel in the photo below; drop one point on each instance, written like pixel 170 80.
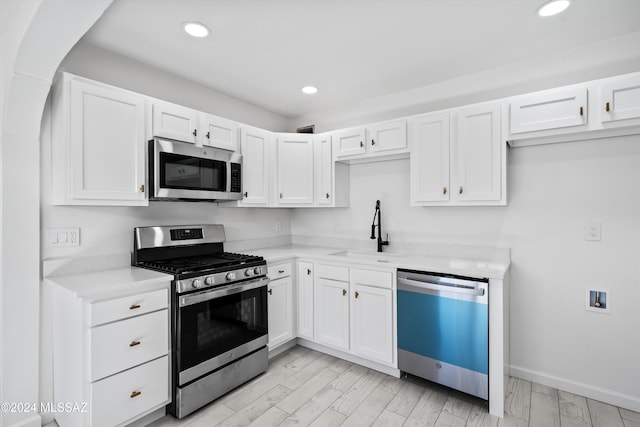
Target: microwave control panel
pixel 236 178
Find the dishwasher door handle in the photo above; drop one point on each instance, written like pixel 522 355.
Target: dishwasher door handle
pixel 408 283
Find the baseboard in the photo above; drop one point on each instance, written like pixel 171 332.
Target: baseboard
pixel 395 372
pixel 603 395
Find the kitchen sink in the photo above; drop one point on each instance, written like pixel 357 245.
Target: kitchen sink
pixel 380 257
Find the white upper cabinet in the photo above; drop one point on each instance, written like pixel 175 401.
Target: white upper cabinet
pixel 350 141
pixel 175 122
pixel 255 147
pixel 478 154
pixel 324 170
pixel 295 184
pixel 385 139
pixel 620 99
pixel 185 124
pixel 429 136
pixel 218 132
pixel 387 136
pixel 98 151
pixel 551 109
pixel 458 157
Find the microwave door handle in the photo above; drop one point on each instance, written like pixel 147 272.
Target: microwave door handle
pixel 221 292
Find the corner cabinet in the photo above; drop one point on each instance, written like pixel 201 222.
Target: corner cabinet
pixel 458 157
pixel 280 304
pixel 98 144
pixel 295 169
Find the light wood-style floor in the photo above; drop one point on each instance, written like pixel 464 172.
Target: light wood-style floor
pixel 303 387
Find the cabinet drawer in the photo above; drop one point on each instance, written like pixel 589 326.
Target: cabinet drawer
pixel 279 270
pixel 381 279
pixel 333 272
pixel 121 397
pixel 132 305
pixel 121 345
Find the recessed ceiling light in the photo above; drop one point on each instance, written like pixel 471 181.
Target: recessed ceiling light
pixel 553 7
pixel 310 90
pixel 196 29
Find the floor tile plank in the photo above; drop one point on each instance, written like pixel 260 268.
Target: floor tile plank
pixel 306 391
pixel 518 399
pixel 389 419
pixel 480 417
pixel 350 400
pixel 310 410
pixel 258 407
pixel 604 415
pixel 329 418
pixel 271 418
pixel 405 399
pixel 427 409
pixel 370 408
pixel 303 375
pixel 447 419
pixel 630 415
pixel 574 410
pixel 545 411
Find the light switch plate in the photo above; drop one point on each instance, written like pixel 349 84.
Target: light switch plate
pixel 63 237
pixel 593 232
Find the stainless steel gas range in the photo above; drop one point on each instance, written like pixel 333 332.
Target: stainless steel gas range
pixel 218 310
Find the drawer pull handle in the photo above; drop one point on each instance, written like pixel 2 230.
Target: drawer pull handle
pixel 308 271
pixel 607 107
pixel 280 271
pixel 134 306
pixel 327 196
pixel 444 190
pixel 344 292
pixel 208 135
pixel 246 194
pixel 373 142
pixel 270 291
pixel 135 394
pixel 142 188
pixel 361 144
pixel 357 294
pixel 581 111
pixel 134 343
pixel 195 132
pixel 460 190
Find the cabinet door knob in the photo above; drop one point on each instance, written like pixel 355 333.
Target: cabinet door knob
pixel 195 132
pixel 246 194
pixel 326 196
pixel 373 142
pixel 444 190
pixel 357 294
pixel 281 195
pixel 135 393
pixel 134 343
pixel 361 144
pixel 581 111
pixel 270 291
pixel 142 188
pixel 344 292
pixel 308 271
pixel 607 107
pixel 134 306
pixel 460 190
pixel 208 135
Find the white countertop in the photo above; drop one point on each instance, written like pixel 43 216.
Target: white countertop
pixel 478 268
pixel 111 283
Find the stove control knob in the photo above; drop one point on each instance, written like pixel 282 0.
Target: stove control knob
pixel 257 271
pixel 248 272
pixel 209 281
pixel 196 283
pixel 231 276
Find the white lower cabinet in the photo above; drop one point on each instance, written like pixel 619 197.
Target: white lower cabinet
pixel 332 313
pixel 280 305
pixel 305 299
pixel 372 319
pixel 352 310
pixel 112 354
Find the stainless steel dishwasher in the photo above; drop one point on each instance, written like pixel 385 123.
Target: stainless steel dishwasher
pixel 443 330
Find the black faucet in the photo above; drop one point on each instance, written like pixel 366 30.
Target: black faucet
pixel 373 228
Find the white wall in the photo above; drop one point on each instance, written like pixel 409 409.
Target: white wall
pixel 554 191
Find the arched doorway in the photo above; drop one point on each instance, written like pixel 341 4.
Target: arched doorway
pixel 36 36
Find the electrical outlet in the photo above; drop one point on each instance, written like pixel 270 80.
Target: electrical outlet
pixel 593 232
pixel 63 237
pixel 599 300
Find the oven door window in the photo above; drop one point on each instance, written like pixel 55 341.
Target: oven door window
pixel 210 328
pixel 192 173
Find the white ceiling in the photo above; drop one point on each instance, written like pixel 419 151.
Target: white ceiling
pixel 265 51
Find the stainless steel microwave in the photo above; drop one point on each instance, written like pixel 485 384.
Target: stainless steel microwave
pixel 183 171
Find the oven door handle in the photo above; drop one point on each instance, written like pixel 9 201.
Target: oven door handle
pixel 221 292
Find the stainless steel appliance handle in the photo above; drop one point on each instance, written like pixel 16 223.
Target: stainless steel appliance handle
pixel 222 292
pixel 405 284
